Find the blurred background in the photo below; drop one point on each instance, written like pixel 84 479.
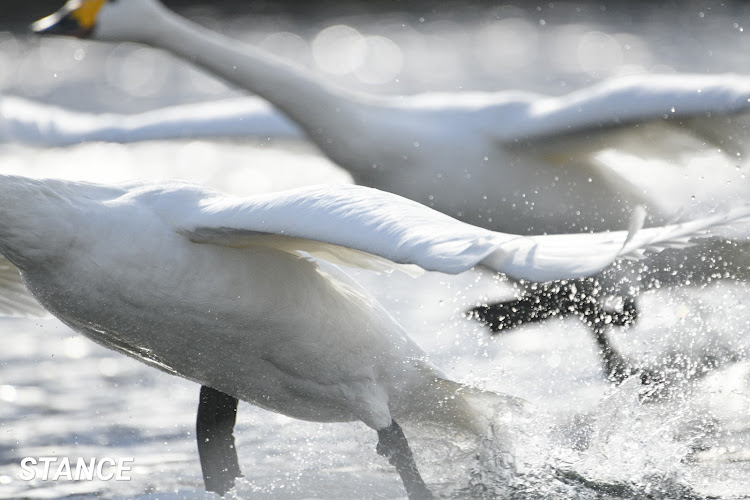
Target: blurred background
pixel 388 47
pixel 62 395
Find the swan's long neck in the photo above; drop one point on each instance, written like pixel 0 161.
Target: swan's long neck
pixel 317 107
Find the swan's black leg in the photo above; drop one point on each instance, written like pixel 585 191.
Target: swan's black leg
pixel 217 413
pixel 579 298
pixel 392 444
pixel 532 307
pixel 616 367
pixel 562 299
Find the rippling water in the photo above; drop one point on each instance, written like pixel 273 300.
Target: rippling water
pixel 61 395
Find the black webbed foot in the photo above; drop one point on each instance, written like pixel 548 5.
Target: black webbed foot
pixel 582 299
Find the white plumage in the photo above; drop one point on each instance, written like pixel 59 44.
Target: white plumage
pixel 406 232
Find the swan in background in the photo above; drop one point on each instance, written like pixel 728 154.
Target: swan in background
pixel 244 295
pixel 508 161
pixel 29 122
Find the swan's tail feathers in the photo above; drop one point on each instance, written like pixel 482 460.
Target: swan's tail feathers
pixel 465 409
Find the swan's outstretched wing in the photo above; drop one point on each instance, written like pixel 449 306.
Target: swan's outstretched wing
pixel 644 114
pixel 15 299
pixel 542 258
pixel 22 120
pixel 338 218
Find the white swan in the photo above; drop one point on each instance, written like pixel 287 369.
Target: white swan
pixel 508 161
pixel 26 121
pixel 241 294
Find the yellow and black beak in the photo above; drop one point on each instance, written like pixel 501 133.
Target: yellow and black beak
pixel 76 18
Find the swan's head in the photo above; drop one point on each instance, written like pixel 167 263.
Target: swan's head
pixel 111 20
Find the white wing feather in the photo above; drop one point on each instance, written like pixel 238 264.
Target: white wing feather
pixel 15 299
pixel 30 122
pixel 629 101
pixel 405 232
